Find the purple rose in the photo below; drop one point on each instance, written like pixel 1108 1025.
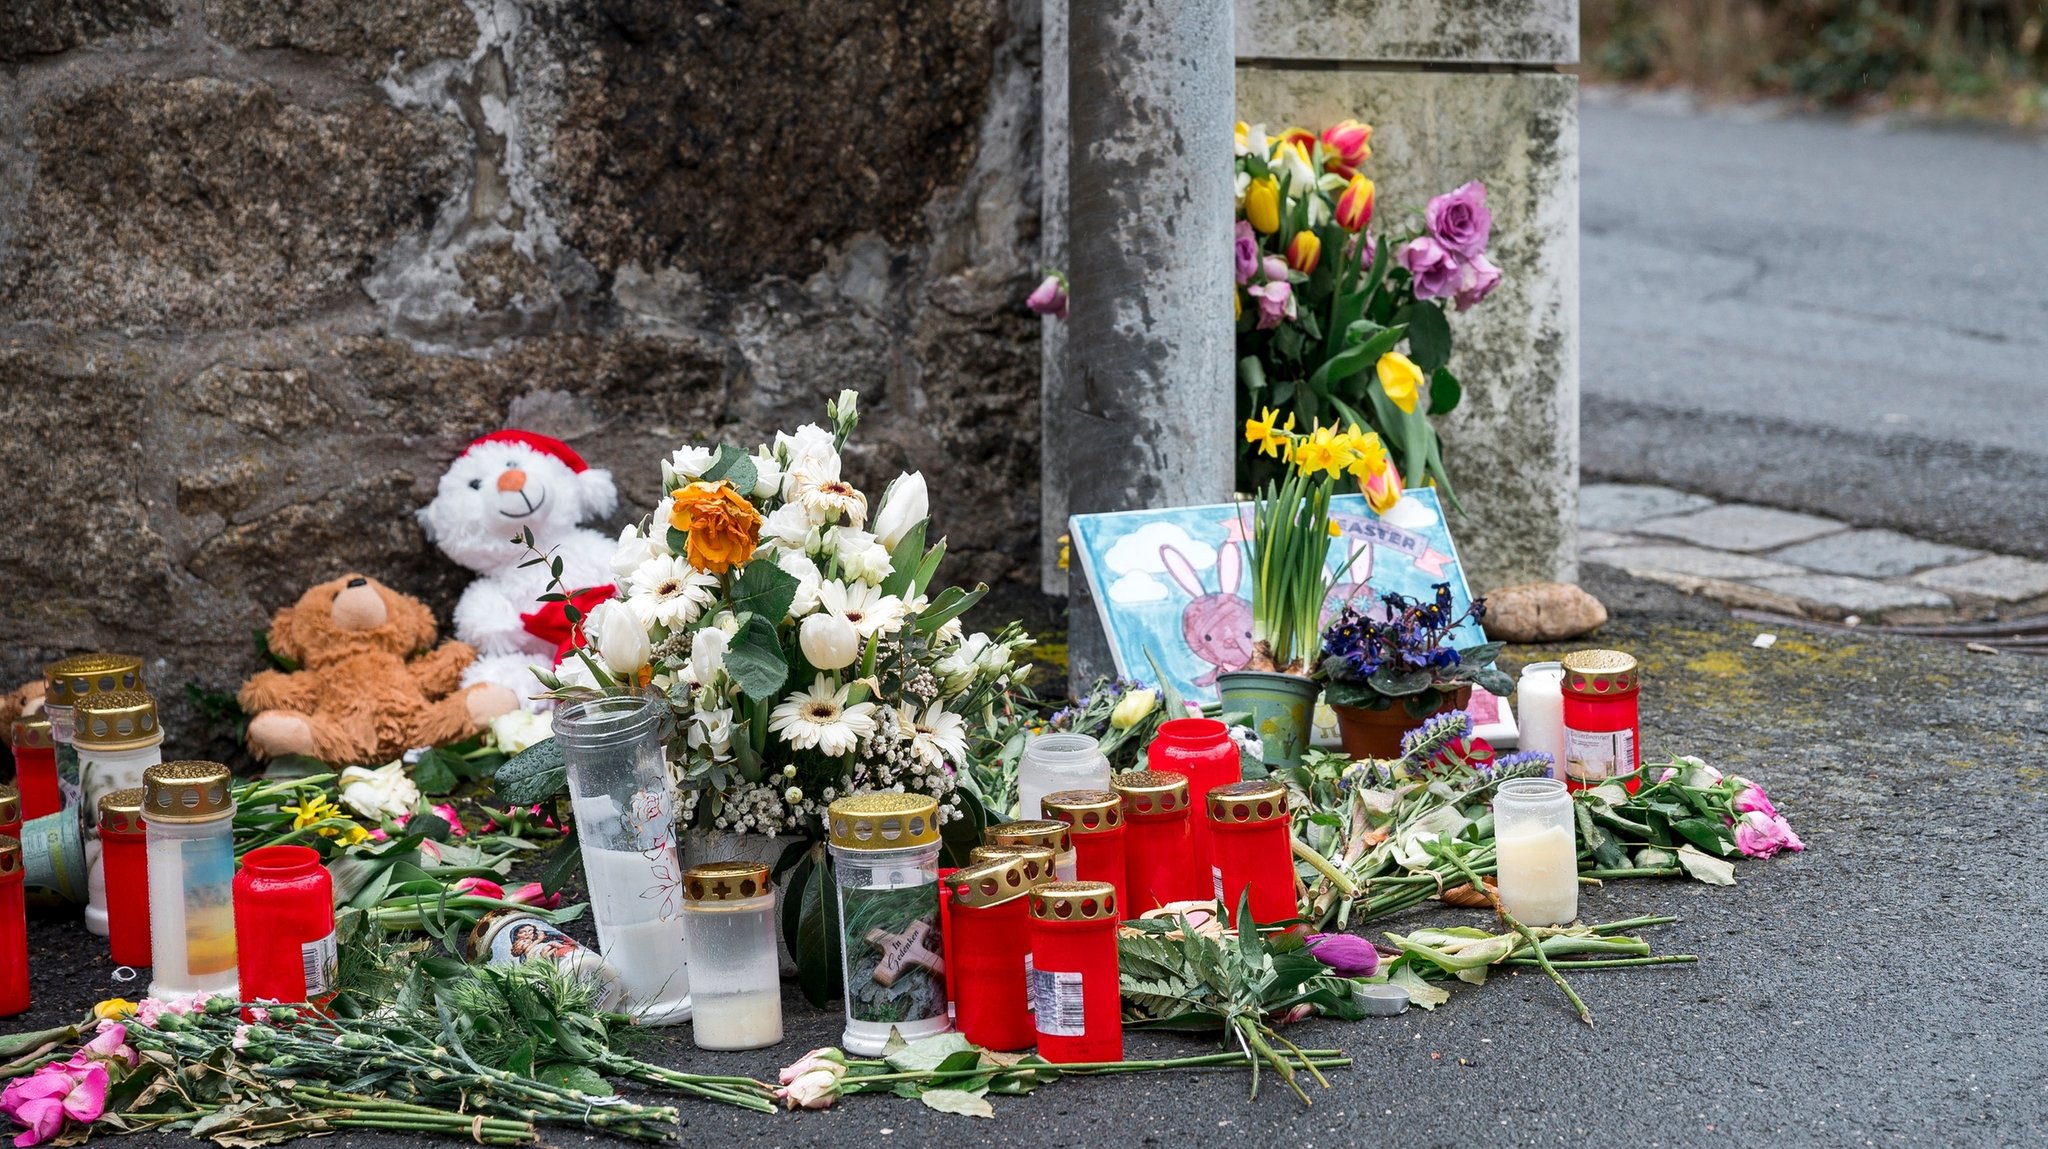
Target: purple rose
pixel 1434 267
pixel 1247 250
pixel 1347 955
pixel 1050 297
pixel 1459 220
pixel 1476 280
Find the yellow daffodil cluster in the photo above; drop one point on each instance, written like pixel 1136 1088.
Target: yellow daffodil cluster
pixel 1324 450
pixel 317 809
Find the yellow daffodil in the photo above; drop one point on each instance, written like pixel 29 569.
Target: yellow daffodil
pixel 1251 138
pixel 1271 440
pixel 1323 450
pixel 1400 379
pixel 316 809
pixel 1371 456
pixel 1262 205
pixel 114 1009
pixel 1335 530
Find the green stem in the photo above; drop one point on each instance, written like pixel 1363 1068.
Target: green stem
pixel 1307 853
pixel 1633 872
pixel 1608 963
pixel 1450 854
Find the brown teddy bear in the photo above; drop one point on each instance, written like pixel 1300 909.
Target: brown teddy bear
pixel 360 697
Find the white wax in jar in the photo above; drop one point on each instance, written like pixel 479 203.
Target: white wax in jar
pixel 1538 871
pixel 637 907
pixel 748 1020
pixel 1539 707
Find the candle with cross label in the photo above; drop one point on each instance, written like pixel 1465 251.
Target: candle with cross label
pixel 885 853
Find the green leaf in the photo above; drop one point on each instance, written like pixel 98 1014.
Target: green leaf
pixel 755 660
pixel 581 1078
pixel 1251 371
pixel 1444 391
pixel 927 1054
pixel 678 541
pixel 1429 335
pixel 1354 359
pixel 1712 871
pixel 1707 835
pixel 533 775
pixel 951 604
pixel 765 589
pixel 1420 992
pixel 817 934
pixel 566 860
pixel 904 559
pixel 1396 682
pixel 734 466
pixel 434 774
pixel 966 1102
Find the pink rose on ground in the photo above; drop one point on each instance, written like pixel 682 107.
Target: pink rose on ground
pixel 1049 297
pixel 818 1058
pixel 1754 800
pixel 1460 220
pixel 1476 281
pixel 1246 250
pixel 1760 835
pixel 1433 266
pixel 817 1089
pixel 41 1101
pixel 111 1044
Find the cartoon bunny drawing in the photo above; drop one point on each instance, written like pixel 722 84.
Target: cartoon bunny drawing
pixel 1217 625
pixel 1356 589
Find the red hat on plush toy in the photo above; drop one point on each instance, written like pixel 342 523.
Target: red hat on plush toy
pixel 545 444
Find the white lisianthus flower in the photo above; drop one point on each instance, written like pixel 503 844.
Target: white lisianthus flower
pixel 669 591
pixel 822 718
pixel 687 465
pixel 829 641
pixel 516 730
pixel 616 635
pixel 799 566
pixel 904 505
pixel 711 730
pixel 958 667
pixel 633 549
pixel 790 527
pixel 573 671
pixel 869 610
pixel 860 556
pixel 807 444
pixel 767 475
pixel 937 737
pixel 949 631
pixel 381 793
pixel 707 655
pixel 728 622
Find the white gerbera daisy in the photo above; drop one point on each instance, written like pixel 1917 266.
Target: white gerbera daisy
pixel 790 527
pixel 869 610
pixel 820 717
pixel 816 485
pixel 937 737
pixel 668 590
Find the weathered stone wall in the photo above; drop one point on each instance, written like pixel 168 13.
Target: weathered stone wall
pixel 265 265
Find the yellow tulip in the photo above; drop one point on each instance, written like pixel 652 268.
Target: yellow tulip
pixel 114 1009
pixel 1303 251
pixel 1262 205
pixel 1354 204
pixel 1400 379
pixel 1383 490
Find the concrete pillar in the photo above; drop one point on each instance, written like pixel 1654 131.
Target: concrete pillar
pixel 1459 90
pixel 1142 415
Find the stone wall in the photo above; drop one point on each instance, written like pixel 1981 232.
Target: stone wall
pixel 266 265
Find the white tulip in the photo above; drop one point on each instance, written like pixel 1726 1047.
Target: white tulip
pixel 829 642
pixel 633 550
pixel 904 505
pixel 618 638
pixel 799 566
pixel 518 729
pixel 707 654
pixel 381 793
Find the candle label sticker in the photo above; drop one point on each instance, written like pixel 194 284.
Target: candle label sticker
pixel 317 958
pixel 1056 1000
pixel 895 967
pixel 53 859
pixel 67 771
pixel 527 938
pixel 1216 875
pixel 209 903
pixel 1596 755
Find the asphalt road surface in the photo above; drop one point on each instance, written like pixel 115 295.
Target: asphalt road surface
pixel 1821 315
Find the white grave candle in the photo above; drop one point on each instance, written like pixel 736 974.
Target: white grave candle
pixel 1539 704
pixel 1538 854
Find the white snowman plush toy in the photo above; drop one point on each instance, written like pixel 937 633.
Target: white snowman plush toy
pixel 502 484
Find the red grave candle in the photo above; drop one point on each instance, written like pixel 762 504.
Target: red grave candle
pixel 1157 837
pixel 1602 739
pixel 13 931
pixel 1200 750
pixel 1075 999
pixel 35 767
pixel 989 938
pixel 124 858
pixel 284 925
pixel 10 812
pixel 1254 849
pixel 1097 820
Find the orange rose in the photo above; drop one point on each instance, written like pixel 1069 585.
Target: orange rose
pixel 723 526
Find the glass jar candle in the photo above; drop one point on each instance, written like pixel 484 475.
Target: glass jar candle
pixel 124 855
pixel 188 818
pixel 284 925
pixel 1200 750
pixel 735 971
pixel 1539 709
pixel 1254 849
pixel 35 767
pixel 117 737
pixel 515 937
pixel 14 995
pixel 1095 821
pixel 885 864
pixel 1157 837
pixel 625 820
pixel 10 812
pixel 1601 737
pixel 66 683
pixel 1537 859
pixel 1054 762
pixel 989 912
pixel 1047 832
pixel 1076 1001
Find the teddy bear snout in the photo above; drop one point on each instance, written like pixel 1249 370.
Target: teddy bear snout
pixel 358 606
pixel 513 480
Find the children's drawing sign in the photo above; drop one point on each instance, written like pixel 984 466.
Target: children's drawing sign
pixel 1173 581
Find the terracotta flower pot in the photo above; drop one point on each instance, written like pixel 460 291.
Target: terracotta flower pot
pixel 1371 733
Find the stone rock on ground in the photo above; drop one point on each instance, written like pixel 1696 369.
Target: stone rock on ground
pixel 1541 612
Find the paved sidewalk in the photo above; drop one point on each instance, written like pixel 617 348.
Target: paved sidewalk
pixel 1798 564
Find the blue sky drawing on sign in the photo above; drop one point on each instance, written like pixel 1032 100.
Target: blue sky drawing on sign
pixel 1172 581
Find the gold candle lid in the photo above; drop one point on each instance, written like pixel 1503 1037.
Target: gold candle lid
pixel 1050 833
pixel 1599 672
pixel 1038 863
pixel 884 821
pixel 1150 793
pixel 67 680
pixel 1000 879
pixel 1074 902
pixel 121 812
pixel 726 881
pixel 10 804
pixel 10 857
pixel 186 792
pixel 116 720
pixel 1085 811
pixel 1259 800
pixel 31 732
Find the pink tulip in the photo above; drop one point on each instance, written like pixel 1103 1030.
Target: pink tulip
pixel 531 894
pixel 480 887
pixel 446 812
